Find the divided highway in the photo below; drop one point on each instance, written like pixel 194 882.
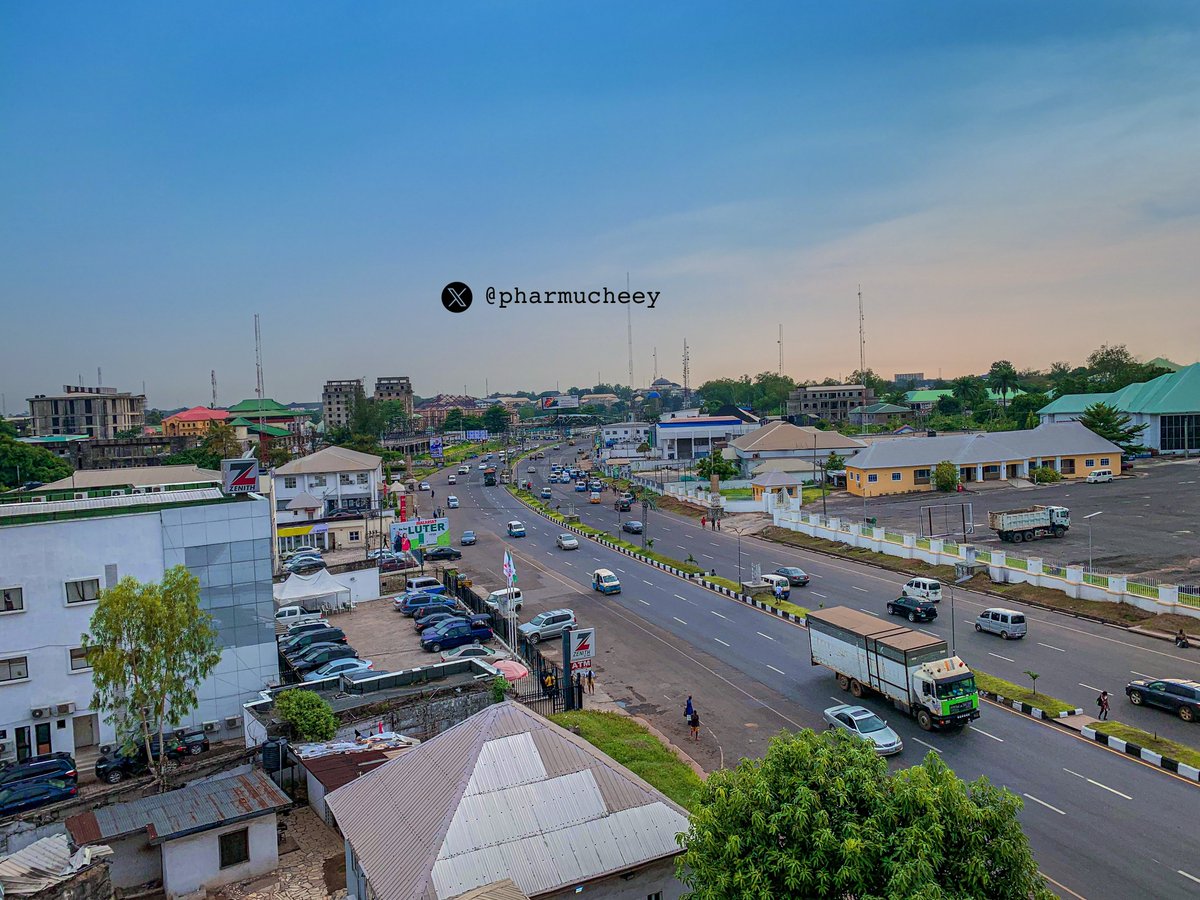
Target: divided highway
pixel 1102 825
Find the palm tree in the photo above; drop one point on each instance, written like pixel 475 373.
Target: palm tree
pixel 968 391
pixel 1002 378
pixel 222 440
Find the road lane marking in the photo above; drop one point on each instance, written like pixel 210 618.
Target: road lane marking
pixel 651 583
pixel 572 565
pixel 640 600
pixel 681 597
pixel 816 594
pixel 1089 687
pixel 767 636
pixel 869 612
pixel 1045 804
pixel 857 588
pixel 619 569
pixel 985 734
pixel 815 575
pixel 1096 783
pixel 677 619
pixel 715 613
pixel 930 746
pixel 1186 875
pixel 998 656
pixel 1142 674
pixel 927 631
pixel 714 543
pixel 773 669
pixel 706 556
pixel 719 641
pixel 1051 647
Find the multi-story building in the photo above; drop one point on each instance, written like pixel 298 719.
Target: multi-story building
pixel 333 482
pixel 397 387
pixel 337 401
pixel 254 418
pixel 60 548
pixel 831 402
pixel 433 411
pixel 625 433
pixel 100 412
pixel 695 437
pixel 917 378
pixel 193 423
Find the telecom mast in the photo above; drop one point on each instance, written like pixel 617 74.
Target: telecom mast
pixel 687 374
pixel 214 389
pixel 258 359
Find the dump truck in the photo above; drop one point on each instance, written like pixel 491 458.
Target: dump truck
pixel 915 671
pixel 1019 525
pixel 489 476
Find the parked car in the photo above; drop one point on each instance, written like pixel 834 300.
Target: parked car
pixel 414 603
pixel 60 766
pixel 304 550
pixel 27 795
pixel 195 740
pixel 516 529
pixel 344 512
pixel 339 667
pixel 504 601
pixel 915 610
pixel 443 553
pixel 473 651
pixel 632 526
pixel 547 625
pixel 314 659
pixel 796 576
pixel 426 584
pixel 1099 476
pixel 382 553
pixel 864 724
pixel 305 564
pixel 567 541
pixel 1008 623
pixel 303 628
pixel 296 646
pixel 476 629
pixel 468 538
pixel 435 616
pixel 131 761
pixel 1176 695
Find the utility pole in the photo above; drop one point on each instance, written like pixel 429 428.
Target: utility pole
pixel 780 348
pixel 629 331
pixel 214 389
pixel 862 358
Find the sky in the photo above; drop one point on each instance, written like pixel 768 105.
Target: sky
pixel 1003 180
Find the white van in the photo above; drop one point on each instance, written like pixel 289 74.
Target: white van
pixel 924 588
pixel 1099 476
pixel 780 586
pixel 426 584
pixel 504 601
pixel 452 502
pixel 1008 623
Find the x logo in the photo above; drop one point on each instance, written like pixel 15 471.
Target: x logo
pixel 456 297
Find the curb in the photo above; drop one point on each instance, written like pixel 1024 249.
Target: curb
pixel 1023 707
pixel 1132 749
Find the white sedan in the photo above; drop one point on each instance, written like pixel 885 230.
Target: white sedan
pixel 424 485
pixel 339 667
pixel 862 723
pixel 567 542
pixel 473 651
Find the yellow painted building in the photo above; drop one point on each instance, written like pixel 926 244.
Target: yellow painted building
pixel 192 422
pixel 905 465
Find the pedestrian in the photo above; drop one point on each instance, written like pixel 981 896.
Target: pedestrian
pixel 591 682
pixel 718 524
pixel 1102 702
pixel 1181 640
pixel 694 722
pixel 703 521
pixel 688 709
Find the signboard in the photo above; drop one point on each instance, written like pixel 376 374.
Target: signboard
pixel 435 447
pixel 239 476
pixel 560 401
pixel 582 650
pixel 423 534
pixel 481 435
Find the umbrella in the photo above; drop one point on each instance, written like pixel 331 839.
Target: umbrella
pixel 511 669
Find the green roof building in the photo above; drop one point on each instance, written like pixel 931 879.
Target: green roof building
pixel 923 401
pixel 1169 405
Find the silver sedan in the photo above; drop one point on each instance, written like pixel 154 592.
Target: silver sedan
pixel 862 723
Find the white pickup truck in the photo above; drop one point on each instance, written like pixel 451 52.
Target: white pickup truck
pixel 288 616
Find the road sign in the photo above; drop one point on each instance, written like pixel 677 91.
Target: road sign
pixel 435 447
pixel 583 650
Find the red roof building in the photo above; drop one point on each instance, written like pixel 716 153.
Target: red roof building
pixel 192 422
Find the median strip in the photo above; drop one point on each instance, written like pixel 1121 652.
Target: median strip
pixel 1165 754
pixel 1022 699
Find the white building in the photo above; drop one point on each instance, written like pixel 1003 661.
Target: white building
pixel 313 486
pixel 625 433
pixel 55 557
pixel 695 437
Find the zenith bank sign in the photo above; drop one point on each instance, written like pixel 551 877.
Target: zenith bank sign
pixel 239 476
pixel 582 650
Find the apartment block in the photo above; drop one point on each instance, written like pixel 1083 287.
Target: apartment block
pixel 337 401
pixel 831 402
pixel 397 387
pixel 98 412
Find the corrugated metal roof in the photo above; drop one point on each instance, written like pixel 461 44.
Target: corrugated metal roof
pixel 331 459
pixel 342 768
pixel 44 863
pixel 473 811
pixel 135 476
pixel 784 436
pixel 132 501
pixel 497 890
pixel 1175 392
pixel 195 808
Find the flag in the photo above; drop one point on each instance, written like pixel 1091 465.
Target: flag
pixel 510 568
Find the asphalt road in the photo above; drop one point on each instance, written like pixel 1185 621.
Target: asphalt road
pixel 1102 825
pixel 1075 658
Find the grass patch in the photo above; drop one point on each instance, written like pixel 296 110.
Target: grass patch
pixel 1162 746
pixel 738 493
pixel 638 750
pixel 1050 705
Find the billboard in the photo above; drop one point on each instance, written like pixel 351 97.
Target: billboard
pixel 582 650
pixel 423 534
pixel 561 401
pixel 239 476
pixel 435 447
pixel 481 435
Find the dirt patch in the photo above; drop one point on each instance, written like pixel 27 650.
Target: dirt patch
pixel 670 504
pixel 1117 613
pixel 1171 623
pixel 335 873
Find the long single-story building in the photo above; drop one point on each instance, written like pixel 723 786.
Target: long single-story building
pixel 1169 407
pixel 906 465
pixel 783 441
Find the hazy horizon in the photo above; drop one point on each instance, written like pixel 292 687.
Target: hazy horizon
pixel 1011 181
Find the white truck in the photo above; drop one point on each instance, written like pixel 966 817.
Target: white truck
pixel 1019 525
pixel 913 670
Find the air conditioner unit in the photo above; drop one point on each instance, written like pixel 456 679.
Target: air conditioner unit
pixel 212 725
pixel 64 709
pixel 3 746
pixel 41 712
pixel 233 721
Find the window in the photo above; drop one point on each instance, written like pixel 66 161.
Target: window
pixel 872 478
pixel 79 660
pixel 14 669
pixel 1104 460
pixel 344 478
pixel 657 895
pixel 355 535
pixel 895 476
pixel 1068 466
pixel 921 476
pixel 316 481
pixel 235 847
pixel 289 481
pixel 13 600
pixel 86 590
pixel 363 478
pixel 1089 463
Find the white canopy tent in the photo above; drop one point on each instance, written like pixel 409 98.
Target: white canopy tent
pixel 312 591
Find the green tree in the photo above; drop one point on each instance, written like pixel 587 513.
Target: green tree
pixel 1044 475
pixel 221 441
pixel 969 391
pixel 1066 379
pixel 835 463
pixel 495 419
pixel 948 405
pixel 1113 425
pixel 1112 368
pixel 869 379
pixel 822 817
pixel 945 476
pixel 20 463
pixel 150 645
pixel 273 454
pixel 716 464
pixel 453 420
pixel 1002 378
pixel 1022 405
pixel 643 447
pixel 309 716
pixel 194 456
pixel 154 417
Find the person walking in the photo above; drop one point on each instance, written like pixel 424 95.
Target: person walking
pixel 1102 702
pixel 688 709
pixel 591 682
pixel 694 723
pixel 718 524
pixel 703 521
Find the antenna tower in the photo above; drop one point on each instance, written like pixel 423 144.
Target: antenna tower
pixel 629 327
pixel 862 336
pixel 655 364
pixel 687 374
pixel 258 358
pixel 781 348
pixel 214 387
pixel 99 377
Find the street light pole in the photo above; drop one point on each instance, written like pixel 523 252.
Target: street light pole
pixel 1088 518
pixel 739 545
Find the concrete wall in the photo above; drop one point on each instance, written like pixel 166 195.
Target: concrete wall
pixel 134 861
pixel 316 794
pixel 194 862
pixel 659 876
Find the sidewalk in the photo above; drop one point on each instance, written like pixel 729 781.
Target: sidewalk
pixel 600 701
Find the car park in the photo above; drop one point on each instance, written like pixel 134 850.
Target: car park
pixel 864 724
pixel 476 629
pixel 605 582
pixel 516 529
pixel 303 550
pixel 549 624
pixel 60 766
pixel 435 615
pixel 294 646
pixel 633 526
pixel 567 541
pixel 27 795
pixel 304 563
pixel 303 628
pixel 473 651
pixel 339 667
pixel 1008 623
pixel 914 609
pixel 1176 695
pixel 468 538
pixel 452 502
pixel 796 576
pixel 924 589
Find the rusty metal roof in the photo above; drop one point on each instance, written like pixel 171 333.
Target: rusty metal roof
pixel 342 768
pixel 185 811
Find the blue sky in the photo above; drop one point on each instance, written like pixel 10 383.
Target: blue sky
pixel 1011 180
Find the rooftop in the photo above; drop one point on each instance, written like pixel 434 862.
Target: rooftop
pixel 28 512
pixel 933 395
pixel 340 769
pixel 266 408
pixel 198 414
pixel 135 476
pixel 1173 393
pixel 781 436
pixel 331 459
pixel 880 409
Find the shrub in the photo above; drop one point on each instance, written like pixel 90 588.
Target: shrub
pixel 1045 475
pixel 945 475
pixel 310 717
